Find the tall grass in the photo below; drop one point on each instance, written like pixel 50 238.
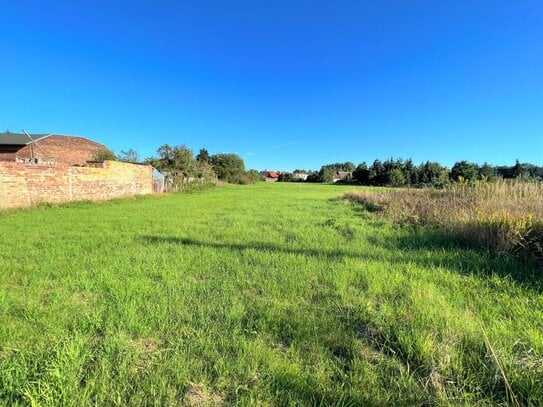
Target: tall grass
pixel 503 216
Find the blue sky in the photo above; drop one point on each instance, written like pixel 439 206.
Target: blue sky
pixel 286 84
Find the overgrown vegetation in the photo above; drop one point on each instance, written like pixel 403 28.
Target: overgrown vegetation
pixel 103 155
pixel 196 187
pixel 505 216
pixel 181 167
pixel 129 156
pixel 268 294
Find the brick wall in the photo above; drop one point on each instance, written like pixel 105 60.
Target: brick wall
pixel 62 149
pixel 25 184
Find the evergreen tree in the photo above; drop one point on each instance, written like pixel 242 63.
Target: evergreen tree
pixel 410 173
pixel 464 170
pixel 203 155
pixel 361 175
pixel 517 171
pixel 487 172
pixel 396 178
pixel 377 174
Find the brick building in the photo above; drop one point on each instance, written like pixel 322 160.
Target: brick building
pixel 52 148
pixel 270 176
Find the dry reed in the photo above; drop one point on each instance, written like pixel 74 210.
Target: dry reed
pixel 505 216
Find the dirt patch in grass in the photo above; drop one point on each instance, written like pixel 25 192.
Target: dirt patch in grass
pixel 146 348
pixel 84 298
pixel 197 395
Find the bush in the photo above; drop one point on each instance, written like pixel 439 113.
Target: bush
pixel 103 155
pixel 196 187
pixel 254 176
pixel 242 179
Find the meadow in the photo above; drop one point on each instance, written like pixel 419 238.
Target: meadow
pixel 267 294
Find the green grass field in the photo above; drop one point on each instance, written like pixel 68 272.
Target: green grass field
pixel 272 294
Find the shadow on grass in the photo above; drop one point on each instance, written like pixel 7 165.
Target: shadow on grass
pixel 423 247
pixel 428 246
pixel 260 246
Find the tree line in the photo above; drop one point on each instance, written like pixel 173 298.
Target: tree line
pixel 181 165
pixel 399 173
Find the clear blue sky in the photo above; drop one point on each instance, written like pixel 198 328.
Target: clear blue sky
pixel 285 84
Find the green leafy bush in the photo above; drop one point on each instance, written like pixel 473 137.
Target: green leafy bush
pixel 104 155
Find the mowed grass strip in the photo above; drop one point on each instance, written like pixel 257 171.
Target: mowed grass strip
pixel 272 294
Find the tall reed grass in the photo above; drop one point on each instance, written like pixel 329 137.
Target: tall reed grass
pixel 505 216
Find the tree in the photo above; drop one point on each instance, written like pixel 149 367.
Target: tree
pixel 104 155
pixel 433 173
pixel 228 167
pixel 377 173
pixel 286 177
pixel 176 160
pixel 203 169
pixel 487 172
pixel 396 178
pixel 181 159
pixel 410 172
pixel 348 166
pixel 361 175
pixel 129 156
pixel 254 176
pixel 326 174
pixel 464 170
pixel 203 155
pixel 313 176
pixel 518 170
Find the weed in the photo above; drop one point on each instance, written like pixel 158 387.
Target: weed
pixel 505 217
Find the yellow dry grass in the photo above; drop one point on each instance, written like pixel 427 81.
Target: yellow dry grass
pixel 505 216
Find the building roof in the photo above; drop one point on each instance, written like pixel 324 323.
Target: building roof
pixel 339 175
pixel 19 139
pixel 270 174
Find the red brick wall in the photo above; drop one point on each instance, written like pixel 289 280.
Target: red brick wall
pixel 25 184
pixel 69 150
pixel 62 149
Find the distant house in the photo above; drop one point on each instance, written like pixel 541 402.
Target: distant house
pixel 270 176
pixel 300 175
pixel 341 176
pixel 48 148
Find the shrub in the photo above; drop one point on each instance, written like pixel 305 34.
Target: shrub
pixel 103 155
pixel 254 176
pixel 242 179
pixel 196 187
